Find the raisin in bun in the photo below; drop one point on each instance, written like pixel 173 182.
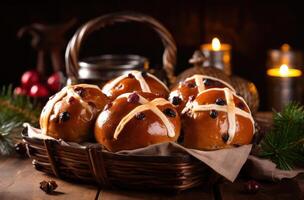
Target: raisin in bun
pixel 135 81
pixel 190 87
pixel 136 120
pixel 217 118
pixel 71 113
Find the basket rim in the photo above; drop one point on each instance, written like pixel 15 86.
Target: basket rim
pixel 178 157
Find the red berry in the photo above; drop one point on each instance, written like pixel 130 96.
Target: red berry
pixel 54 81
pixel 29 78
pixel 20 91
pixel 39 90
pixel 252 187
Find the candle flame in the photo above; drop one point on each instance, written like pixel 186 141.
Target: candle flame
pixel 216 44
pixel 284 70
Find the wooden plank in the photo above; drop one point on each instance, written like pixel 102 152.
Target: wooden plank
pixel 19 180
pixel 285 189
pixel 195 194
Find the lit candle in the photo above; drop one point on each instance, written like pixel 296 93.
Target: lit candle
pixel 217 55
pixel 284 86
pixel 284 71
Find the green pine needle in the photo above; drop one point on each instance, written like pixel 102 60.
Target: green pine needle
pixel 14 111
pixel 284 144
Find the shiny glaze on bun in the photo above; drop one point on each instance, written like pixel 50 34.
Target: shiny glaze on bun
pixel 136 120
pixel 71 113
pixel 135 81
pixel 216 119
pixel 190 87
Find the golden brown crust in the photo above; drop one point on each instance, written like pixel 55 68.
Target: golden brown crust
pixel 130 84
pixel 72 118
pixel 208 133
pixel 137 133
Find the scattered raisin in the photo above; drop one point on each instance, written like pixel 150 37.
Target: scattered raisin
pixel 213 114
pixel 220 101
pixel 48 186
pixel 190 85
pixel 176 100
pixel 207 82
pixel 191 98
pixel 64 116
pixel 225 137
pixel 130 75
pixel 71 100
pixel 140 116
pixel 241 105
pixel 144 73
pixel 169 112
pixel 133 98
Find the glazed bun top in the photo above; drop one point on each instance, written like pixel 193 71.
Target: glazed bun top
pixel 135 120
pixel 135 81
pixel 192 86
pixel 222 100
pixel 70 111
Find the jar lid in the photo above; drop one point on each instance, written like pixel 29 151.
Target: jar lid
pixel 112 61
pixel 109 66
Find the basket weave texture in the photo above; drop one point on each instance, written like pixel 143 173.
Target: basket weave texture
pixel 93 164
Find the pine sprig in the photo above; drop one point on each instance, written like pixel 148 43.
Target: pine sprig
pixel 8 124
pixel 14 111
pixel 284 144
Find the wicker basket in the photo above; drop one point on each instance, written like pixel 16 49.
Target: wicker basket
pixel 94 164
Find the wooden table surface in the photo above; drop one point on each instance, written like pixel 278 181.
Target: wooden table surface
pixel 19 180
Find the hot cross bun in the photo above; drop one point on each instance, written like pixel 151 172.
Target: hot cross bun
pixel 217 118
pixel 136 120
pixel 71 113
pixel 190 87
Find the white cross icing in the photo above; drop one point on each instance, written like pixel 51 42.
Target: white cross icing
pixel 146 105
pixel 230 109
pixel 200 84
pixel 138 76
pixel 198 78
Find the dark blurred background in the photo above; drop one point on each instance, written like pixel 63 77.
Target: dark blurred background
pixel 250 27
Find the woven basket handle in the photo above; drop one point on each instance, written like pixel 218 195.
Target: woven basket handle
pixel 73 48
